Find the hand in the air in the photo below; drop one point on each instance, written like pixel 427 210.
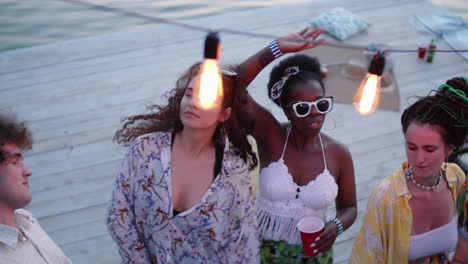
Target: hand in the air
pixel 304 39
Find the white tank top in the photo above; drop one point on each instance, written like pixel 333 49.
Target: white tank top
pixel 281 203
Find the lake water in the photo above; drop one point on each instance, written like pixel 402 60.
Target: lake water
pixel 25 23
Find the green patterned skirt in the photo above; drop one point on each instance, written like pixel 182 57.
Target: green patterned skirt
pixel 280 252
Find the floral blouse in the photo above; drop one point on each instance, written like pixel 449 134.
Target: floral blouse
pixel 220 228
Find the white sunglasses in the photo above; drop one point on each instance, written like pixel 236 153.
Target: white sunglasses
pixel 322 105
pixel 228 72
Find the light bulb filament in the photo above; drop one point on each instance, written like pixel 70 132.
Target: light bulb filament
pixel 210 84
pixel 367 98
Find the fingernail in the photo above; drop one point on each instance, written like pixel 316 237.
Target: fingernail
pixel 312 245
pixel 317 239
pixel 315 251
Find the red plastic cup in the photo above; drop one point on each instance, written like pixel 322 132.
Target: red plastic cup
pixel 310 228
pixel 422 51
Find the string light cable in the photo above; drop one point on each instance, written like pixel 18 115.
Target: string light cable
pixel 153 19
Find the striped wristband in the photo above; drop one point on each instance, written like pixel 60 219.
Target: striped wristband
pixel 275 50
pixel 339 224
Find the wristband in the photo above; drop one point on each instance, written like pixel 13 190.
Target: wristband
pixel 339 225
pixel 275 50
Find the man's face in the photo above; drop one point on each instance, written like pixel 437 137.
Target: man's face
pixel 14 186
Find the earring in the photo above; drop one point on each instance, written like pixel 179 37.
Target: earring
pixel 334 123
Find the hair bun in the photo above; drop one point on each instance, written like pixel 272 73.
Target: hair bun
pixel 455 89
pixel 459 83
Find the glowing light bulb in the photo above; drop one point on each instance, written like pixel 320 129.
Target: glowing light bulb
pixel 211 84
pixel 367 97
pixel 209 89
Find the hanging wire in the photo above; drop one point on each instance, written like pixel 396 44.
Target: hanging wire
pixel 134 14
pixel 105 8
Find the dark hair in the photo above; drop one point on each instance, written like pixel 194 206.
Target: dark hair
pixel 446 108
pixel 14 132
pixel 167 118
pixel 309 69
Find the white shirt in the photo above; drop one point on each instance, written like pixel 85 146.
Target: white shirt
pixel 28 244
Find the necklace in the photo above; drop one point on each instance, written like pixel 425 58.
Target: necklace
pixel 410 176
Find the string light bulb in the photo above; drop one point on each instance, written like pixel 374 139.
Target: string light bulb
pixel 209 86
pixel 367 97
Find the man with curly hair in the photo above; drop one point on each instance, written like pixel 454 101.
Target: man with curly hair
pixel 22 240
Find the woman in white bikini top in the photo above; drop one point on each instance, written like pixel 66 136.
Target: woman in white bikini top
pixel 283 203
pixel 302 170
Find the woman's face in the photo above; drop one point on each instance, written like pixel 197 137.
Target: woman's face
pixel 196 117
pixel 309 91
pixel 425 149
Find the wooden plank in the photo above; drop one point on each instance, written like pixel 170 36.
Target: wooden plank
pixel 74 93
pixel 66 222
pixel 85 48
pixel 93 197
pixel 73 157
pixel 100 248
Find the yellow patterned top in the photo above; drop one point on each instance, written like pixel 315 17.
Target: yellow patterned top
pixel 385 234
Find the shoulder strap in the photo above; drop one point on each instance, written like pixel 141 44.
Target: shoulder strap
pixel 286 142
pixel 323 153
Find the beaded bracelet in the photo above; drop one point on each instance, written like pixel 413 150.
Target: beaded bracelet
pixel 339 225
pixel 275 50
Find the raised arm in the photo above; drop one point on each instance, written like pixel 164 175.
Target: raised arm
pixel 249 69
pixel 294 42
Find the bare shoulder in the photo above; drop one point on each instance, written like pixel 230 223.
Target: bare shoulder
pixel 340 164
pixel 339 149
pixel 271 141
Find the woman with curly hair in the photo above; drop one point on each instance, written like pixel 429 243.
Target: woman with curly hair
pixel 183 194
pixel 303 170
pixel 411 215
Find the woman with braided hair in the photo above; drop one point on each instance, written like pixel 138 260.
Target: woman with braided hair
pixel 411 215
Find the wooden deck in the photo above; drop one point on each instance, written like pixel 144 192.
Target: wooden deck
pixel 74 93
